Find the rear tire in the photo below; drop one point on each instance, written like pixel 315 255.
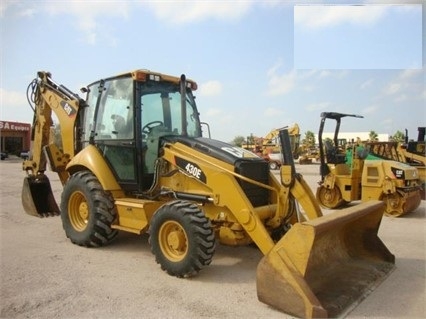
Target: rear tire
pixel 87 211
pixel 181 238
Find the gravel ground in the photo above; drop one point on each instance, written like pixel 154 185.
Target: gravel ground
pixel 43 275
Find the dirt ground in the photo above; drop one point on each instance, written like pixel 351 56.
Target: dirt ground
pixel 43 275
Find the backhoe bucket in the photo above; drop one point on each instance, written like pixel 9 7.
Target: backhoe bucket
pixel 37 197
pixel 325 267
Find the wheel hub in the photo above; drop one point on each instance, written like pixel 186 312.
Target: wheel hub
pixel 173 240
pixel 78 211
pixel 176 240
pixel 328 195
pixel 83 211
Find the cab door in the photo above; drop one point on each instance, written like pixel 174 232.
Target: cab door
pixel 114 132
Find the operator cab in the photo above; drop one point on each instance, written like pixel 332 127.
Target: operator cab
pixel 128 115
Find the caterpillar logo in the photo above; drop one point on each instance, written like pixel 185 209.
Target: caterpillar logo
pixel 191 169
pixel 68 109
pixel 399 173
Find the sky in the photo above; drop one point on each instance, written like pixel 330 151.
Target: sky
pixel 259 65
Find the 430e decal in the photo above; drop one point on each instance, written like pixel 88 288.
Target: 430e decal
pixel 191 169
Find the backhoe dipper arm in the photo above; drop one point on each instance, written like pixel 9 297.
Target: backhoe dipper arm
pixel 49 97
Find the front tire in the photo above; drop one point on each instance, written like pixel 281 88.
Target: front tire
pixel 87 211
pixel 181 238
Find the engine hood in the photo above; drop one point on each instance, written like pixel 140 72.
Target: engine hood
pixel 220 150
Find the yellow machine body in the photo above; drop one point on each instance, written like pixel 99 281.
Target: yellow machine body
pixel 187 192
pixel 344 180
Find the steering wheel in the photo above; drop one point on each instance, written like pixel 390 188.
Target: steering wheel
pixel 147 128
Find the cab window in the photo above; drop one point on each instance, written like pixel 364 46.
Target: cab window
pixel 115 118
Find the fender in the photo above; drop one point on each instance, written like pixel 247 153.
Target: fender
pixel 91 159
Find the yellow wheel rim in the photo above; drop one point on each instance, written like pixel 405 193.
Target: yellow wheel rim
pixel 173 241
pixel 78 211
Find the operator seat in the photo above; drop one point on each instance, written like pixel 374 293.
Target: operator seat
pixel 332 155
pixel 362 152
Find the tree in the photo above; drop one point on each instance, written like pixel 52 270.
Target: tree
pixel 309 139
pixel 398 137
pixel 373 136
pixel 238 140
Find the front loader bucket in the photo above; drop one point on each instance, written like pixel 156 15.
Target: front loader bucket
pixel 324 267
pixel 37 197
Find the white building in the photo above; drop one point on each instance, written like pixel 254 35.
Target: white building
pixel 349 136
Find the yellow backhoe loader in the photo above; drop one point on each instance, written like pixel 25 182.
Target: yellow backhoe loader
pixel 268 146
pixel 342 181
pixel 133 159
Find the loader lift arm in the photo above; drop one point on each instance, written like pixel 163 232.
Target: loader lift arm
pixel 295 183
